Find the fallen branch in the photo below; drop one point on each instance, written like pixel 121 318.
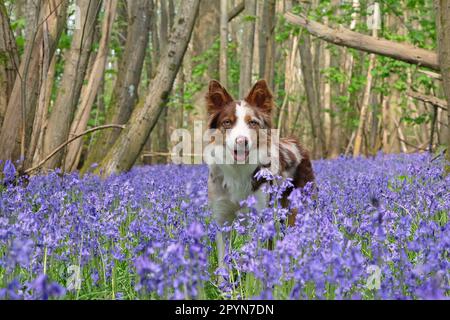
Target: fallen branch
pixel 168 154
pixel 440 103
pixel 442 153
pixel 233 13
pixel 347 38
pixel 431 74
pixel 106 126
pixel 421 148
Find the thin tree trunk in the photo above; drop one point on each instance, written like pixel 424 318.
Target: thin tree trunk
pixel 205 37
pixel 90 92
pixel 386 124
pixel 248 37
pixel 339 133
pixel 311 95
pixel 164 24
pixel 124 96
pixel 374 125
pixel 143 119
pixel 366 99
pixel 364 108
pixel 327 122
pixel 181 83
pixel 19 117
pixel 9 61
pixel 268 37
pixel 159 136
pixel 40 119
pixel 223 60
pixel 75 67
pixel 262 37
pixel 443 28
pixel 156 50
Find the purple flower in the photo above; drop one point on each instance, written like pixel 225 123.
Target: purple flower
pixel 151 229
pixel 196 230
pixel 9 172
pixel 43 289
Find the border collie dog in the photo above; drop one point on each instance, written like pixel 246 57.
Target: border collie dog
pixel 242 124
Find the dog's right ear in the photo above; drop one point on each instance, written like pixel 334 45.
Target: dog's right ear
pixel 217 97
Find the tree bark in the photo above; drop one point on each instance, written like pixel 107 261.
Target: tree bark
pixel 266 42
pixel 164 24
pixel 325 87
pixel 248 37
pixel 9 61
pixel 223 60
pixel 443 28
pixel 19 116
pixel 207 35
pixel 128 146
pixel 344 37
pixel 124 96
pixel 365 104
pixel 90 92
pixel 311 95
pixel 40 119
pixel 385 116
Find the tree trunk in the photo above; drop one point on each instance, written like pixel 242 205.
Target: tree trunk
pixel 248 37
pixel 76 62
pixel 19 117
pixel 164 25
pixel 326 96
pixel 124 96
pixel 128 146
pixel 40 119
pixel 364 106
pixel 311 95
pixel 223 60
pixel 385 112
pixel 207 35
pixel 267 43
pixel 9 61
pixel 159 136
pixel 443 28
pixel 90 92
pixel 156 50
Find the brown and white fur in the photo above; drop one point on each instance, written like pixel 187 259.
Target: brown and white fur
pixel 229 184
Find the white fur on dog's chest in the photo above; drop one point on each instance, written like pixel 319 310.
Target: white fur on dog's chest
pixel 237 180
pixel 228 185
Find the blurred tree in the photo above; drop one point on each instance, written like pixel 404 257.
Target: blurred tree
pixel 75 66
pixel 248 37
pixel 82 114
pixel 443 27
pixel 128 146
pixel 9 60
pixel 49 20
pixel 125 93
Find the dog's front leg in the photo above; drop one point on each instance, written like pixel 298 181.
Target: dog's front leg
pixel 220 246
pixel 224 214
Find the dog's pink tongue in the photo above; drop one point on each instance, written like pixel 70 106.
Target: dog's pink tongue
pixel 240 155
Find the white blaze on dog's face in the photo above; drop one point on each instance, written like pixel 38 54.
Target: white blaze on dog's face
pixel 240 121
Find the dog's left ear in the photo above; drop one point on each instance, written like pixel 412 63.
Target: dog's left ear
pixel 260 97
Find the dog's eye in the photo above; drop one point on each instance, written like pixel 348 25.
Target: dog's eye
pixel 226 124
pixel 253 123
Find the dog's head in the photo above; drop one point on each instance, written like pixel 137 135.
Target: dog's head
pixel 240 121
